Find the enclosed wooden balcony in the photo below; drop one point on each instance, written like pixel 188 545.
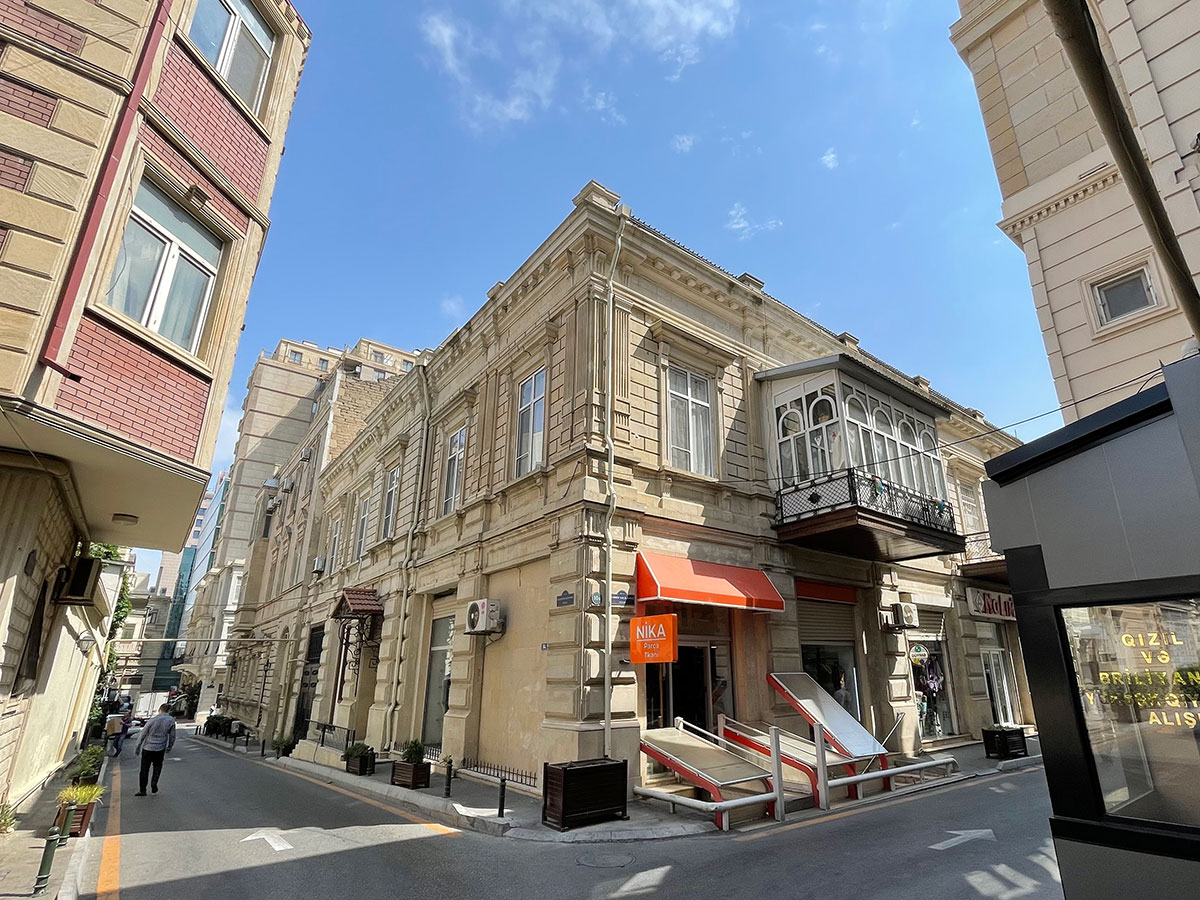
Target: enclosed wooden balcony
pixel 853 512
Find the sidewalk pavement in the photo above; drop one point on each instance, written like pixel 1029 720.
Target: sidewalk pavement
pixel 21 851
pixel 973 761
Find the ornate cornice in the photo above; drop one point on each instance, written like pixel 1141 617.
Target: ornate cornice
pixel 1102 180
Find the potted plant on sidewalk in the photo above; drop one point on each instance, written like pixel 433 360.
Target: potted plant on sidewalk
pixel 360 759
pixel 87 767
pixel 283 746
pixel 1004 741
pixel 85 797
pixel 8 819
pixel 411 770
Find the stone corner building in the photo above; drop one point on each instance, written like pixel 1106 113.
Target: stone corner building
pixel 745 436
pixel 141 143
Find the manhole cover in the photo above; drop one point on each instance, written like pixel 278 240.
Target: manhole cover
pixel 605 860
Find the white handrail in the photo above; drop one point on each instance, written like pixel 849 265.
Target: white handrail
pixel 713 806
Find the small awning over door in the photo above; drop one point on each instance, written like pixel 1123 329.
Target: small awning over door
pixel 678 580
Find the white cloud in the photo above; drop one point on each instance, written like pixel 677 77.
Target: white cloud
pixel 817 27
pixel 830 159
pixel 603 103
pixel 683 143
pixel 828 54
pixel 916 120
pixel 512 76
pixel 741 224
pixel 453 307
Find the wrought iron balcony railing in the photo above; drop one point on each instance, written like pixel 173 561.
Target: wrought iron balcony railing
pixel 857 487
pixel 979 549
pixel 334 737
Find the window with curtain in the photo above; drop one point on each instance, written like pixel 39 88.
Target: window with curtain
pixel 455 449
pixel 360 539
pixel 531 422
pixel 389 502
pixel 793 454
pixel 165 269
pixel 690 421
pixel 237 40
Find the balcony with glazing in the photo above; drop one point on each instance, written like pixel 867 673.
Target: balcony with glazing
pixel 857 466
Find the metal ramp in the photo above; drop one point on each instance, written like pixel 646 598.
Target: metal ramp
pixel 796 752
pixel 844 733
pixel 699 758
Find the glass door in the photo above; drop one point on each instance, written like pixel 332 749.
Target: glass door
pixel 437 687
pixel 999 686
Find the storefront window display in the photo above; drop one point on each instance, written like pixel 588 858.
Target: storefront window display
pixel 832 667
pixel 931 686
pixel 1137 668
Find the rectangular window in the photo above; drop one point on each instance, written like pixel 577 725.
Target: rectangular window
pixel 323 365
pixel 407 365
pixel 295 356
pixel 235 38
pixel 1124 296
pixel 298 575
pixel 455 449
pixel 531 422
pixel 335 537
pixel 1137 669
pixel 376 356
pixel 690 421
pixel 360 540
pixel 389 502
pixel 380 375
pixel 165 270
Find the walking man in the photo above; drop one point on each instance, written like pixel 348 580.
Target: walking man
pixel 157 737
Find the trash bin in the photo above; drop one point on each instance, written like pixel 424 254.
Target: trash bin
pixel 584 791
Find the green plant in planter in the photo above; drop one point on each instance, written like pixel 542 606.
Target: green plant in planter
pixel 412 752
pixel 89 762
pixel 357 749
pixel 281 744
pixel 80 794
pixel 8 818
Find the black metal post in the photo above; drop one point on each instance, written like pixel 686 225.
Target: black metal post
pixel 262 747
pixel 43 876
pixel 262 694
pixel 449 775
pixel 853 487
pixel 66 830
pixel 500 809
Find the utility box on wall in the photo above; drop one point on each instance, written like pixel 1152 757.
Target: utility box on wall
pixel 1109 617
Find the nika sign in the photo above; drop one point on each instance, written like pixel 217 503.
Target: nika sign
pixel 991 604
pixel 654 639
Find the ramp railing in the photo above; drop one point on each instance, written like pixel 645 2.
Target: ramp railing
pixel 825 784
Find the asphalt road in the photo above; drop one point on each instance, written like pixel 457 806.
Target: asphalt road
pixel 224 825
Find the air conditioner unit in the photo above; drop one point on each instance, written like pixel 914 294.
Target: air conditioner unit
pixel 288 485
pixel 272 502
pixel 904 615
pixel 318 565
pixel 483 617
pixel 306 454
pixel 80 586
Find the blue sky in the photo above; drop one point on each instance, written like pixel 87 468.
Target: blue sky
pixel 833 148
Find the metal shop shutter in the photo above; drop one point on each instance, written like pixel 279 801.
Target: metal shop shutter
pixel 932 622
pixel 825 623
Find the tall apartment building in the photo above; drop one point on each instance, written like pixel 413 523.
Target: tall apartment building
pixel 282 398
pixel 753 447
pixel 139 146
pixel 1106 289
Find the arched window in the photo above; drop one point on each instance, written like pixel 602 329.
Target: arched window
pixel 910 465
pixel 823 436
pixel 931 466
pixel 793 456
pixel 858 437
pixel 886 448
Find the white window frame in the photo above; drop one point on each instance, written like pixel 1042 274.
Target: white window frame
pixel 536 456
pixel 296 357
pixel 1128 275
pixel 389 502
pixel 323 365
pixel 164 278
pixel 456 454
pixel 690 401
pixel 335 537
pixel 360 537
pixel 298 574
pixel 225 55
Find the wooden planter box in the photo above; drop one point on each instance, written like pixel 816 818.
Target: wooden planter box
pixel 1004 743
pixel 410 775
pixel 79 821
pixel 361 765
pixel 582 792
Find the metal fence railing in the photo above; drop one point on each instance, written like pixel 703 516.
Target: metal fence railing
pixel 335 737
pixel 433 752
pixel 979 549
pixel 858 487
pixel 517 776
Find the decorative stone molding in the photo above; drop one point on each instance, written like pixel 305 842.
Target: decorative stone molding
pixel 1105 178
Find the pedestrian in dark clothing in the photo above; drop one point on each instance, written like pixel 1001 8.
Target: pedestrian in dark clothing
pixel 157 737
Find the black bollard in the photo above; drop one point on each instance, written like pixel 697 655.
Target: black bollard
pixel 503 785
pixel 66 830
pixel 449 775
pixel 43 876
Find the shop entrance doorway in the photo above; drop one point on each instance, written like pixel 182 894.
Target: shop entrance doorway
pixel 996 666
pixel 697 687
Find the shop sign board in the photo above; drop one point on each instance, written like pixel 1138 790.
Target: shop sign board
pixel 918 653
pixel 991 605
pixel 654 639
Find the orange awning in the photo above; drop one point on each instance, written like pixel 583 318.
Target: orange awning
pixel 677 580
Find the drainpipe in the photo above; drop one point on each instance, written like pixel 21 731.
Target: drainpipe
pixel 1075 28
pixel 406 565
pixel 609 485
pixel 69 298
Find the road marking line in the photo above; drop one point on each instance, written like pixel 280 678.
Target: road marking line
pixel 858 810
pixel 108 885
pixel 435 827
